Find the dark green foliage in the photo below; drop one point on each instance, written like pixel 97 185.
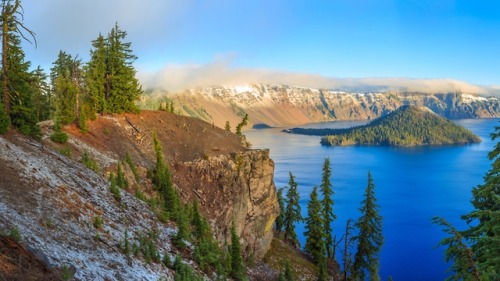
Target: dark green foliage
pixel 68 87
pixel 125 245
pixel 123 87
pixel 82 119
pixel 237 267
pixel 206 252
pixel 406 126
pixel 98 222
pixel 280 220
pixel 59 137
pixel 21 105
pixel 327 207
pixel 288 272
pixel 121 181
pixel 474 251
pixel 184 272
pixel 369 238
pixel 182 230
pixel 148 248
pixel 292 213
pixel 167 260
pixel 133 168
pixel 113 187
pixel 227 127
pixel 95 74
pixel 315 243
pixel 89 162
pixel 243 123
pixel 4 120
pixel 463 267
pixel 162 179
pixel 42 96
pixel 15 234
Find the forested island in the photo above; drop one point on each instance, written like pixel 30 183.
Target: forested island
pixel 406 126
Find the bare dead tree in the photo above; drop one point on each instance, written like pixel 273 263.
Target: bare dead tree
pixel 12 17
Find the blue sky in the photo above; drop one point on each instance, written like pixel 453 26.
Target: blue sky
pixel 185 43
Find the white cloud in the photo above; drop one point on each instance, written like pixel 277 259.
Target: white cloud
pixel 221 72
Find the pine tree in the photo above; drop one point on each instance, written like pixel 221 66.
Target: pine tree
pixel 292 213
pixel 122 87
pixel 22 110
pixel 369 236
pixel 281 218
pixel 162 179
pixel 474 251
pixel 315 243
pixel 12 27
pixel 95 73
pixel 237 267
pixel 68 86
pixel 242 124
pixel 327 205
pixel 41 94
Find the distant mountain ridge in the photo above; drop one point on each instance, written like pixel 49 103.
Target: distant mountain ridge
pixel 282 105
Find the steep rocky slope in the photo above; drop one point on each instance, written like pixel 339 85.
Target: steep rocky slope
pixel 280 105
pixel 53 200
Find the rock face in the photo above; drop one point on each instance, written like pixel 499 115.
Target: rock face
pixel 53 200
pixel 280 105
pixel 237 189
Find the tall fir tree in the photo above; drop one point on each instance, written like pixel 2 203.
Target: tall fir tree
pixel 315 234
pixel 69 90
pixel 95 71
pixel 237 267
pixel 12 27
pixel 122 87
pixel 474 251
pixel 369 238
pixel 292 213
pixel 327 207
pixel 41 94
pixel 281 217
pixel 20 89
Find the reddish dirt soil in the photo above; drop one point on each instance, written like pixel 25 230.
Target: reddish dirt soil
pixel 17 263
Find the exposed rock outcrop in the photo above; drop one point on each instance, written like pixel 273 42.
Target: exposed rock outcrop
pixel 237 189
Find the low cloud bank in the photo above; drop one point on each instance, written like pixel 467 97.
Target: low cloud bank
pixel 176 78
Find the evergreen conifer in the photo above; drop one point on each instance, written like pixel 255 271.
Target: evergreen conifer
pixel 292 213
pixel 315 243
pixel 237 267
pixel 369 236
pixel 327 207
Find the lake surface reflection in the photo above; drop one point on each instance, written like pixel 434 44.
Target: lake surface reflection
pixel 411 184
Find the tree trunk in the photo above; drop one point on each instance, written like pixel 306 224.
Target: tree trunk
pixel 5 80
pixel 8 11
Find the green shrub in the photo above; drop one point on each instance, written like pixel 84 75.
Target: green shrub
pixel 90 162
pixel 59 137
pixel 15 234
pixel 98 222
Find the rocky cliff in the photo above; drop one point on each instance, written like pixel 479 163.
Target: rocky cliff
pixel 237 189
pixel 53 200
pixel 280 105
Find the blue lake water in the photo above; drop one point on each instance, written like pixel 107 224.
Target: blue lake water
pixel 412 185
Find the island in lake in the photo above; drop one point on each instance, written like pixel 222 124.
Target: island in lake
pixel 406 126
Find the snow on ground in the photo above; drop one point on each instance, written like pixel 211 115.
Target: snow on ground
pixel 53 202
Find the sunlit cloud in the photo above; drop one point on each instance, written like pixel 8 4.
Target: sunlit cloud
pixel 220 72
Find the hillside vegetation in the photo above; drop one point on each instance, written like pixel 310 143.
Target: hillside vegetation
pixel 406 126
